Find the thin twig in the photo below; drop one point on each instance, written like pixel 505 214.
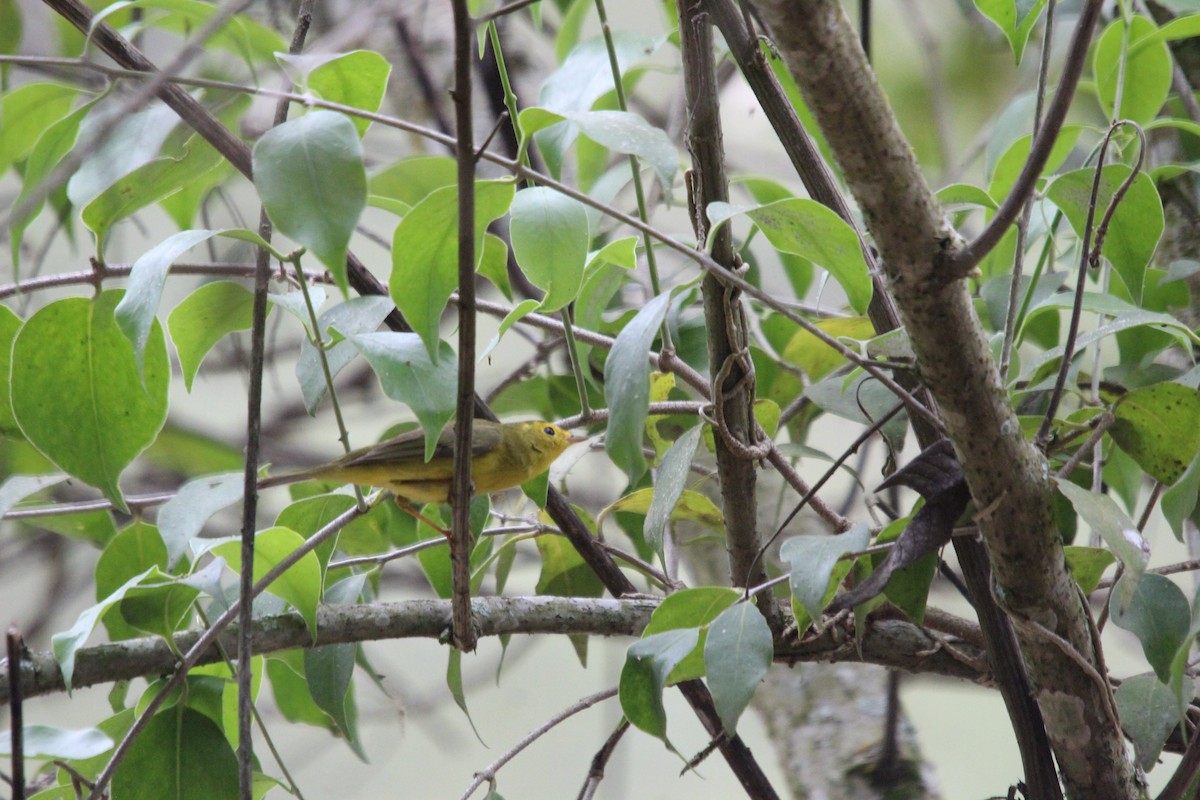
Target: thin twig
pixel 600 761
pixel 969 256
pixel 1014 290
pixel 488 773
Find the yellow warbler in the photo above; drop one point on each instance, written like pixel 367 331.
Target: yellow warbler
pixel 503 455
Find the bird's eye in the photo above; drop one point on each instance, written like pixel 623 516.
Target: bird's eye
pixel 548 430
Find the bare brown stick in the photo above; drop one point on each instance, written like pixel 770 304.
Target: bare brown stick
pixel 15 647
pixel 463 630
pixel 728 354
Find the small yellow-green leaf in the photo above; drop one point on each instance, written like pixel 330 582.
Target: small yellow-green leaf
pixel 204 318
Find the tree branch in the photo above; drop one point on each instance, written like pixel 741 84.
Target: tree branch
pixel 1002 469
pixel 888 642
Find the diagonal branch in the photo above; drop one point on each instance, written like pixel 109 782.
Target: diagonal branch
pixel 1005 473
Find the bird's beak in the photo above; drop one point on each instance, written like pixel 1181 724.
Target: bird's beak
pixel 576 439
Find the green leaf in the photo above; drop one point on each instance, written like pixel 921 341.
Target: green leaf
pixel 668 486
pixel 406 373
pixel 11 26
pixel 1149 712
pixel 454 682
pixel 807 228
pixel 965 194
pixel 70 361
pixel 1014 18
pixel 137 310
pixel 1157 613
pixel 46 742
pixel 648 662
pixel 204 318
pixel 300 585
pixel 290 690
pixel 1146 72
pixel 586 74
pixel 1087 565
pixel 131 552
pixel 627 386
pixel 1172 326
pixel 1180 500
pixel 812 560
pixel 425 253
pixel 66 643
pixel 690 608
pixel 329 670
pixel 161 609
pixel 181 754
pixel 310 176
pixel 549 233
pixel 628 133
pixel 358 78
pixel 136 139
pixel 10 323
pixel 28 111
pixel 1114 526
pixel 357 315
pixel 564 572
pixel 1136 225
pixel 147 184
pixel 1159 426
pixel 51 148
pixel 737 654
pixel 241 36
pixel 182 517
pixel 519 312
pixel 17 487
pixel 411 180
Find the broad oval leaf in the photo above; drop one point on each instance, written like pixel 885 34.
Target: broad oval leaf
pixel 807 228
pixel 550 238
pixel 1159 427
pixel 357 315
pixel 183 754
pixel 1144 73
pixel 70 361
pixel 1149 712
pixel 737 654
pixel 1136 225
pixel 1157 613
pixel 299 585
pixel 204 318
pixel 358 78
pixel 148 183
pixel 328 671
pixel 425 253
pixel 812 560
pixel 408 375
pixel 183 516
pixel 310 176
pixel 690 608
pixel 648 663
